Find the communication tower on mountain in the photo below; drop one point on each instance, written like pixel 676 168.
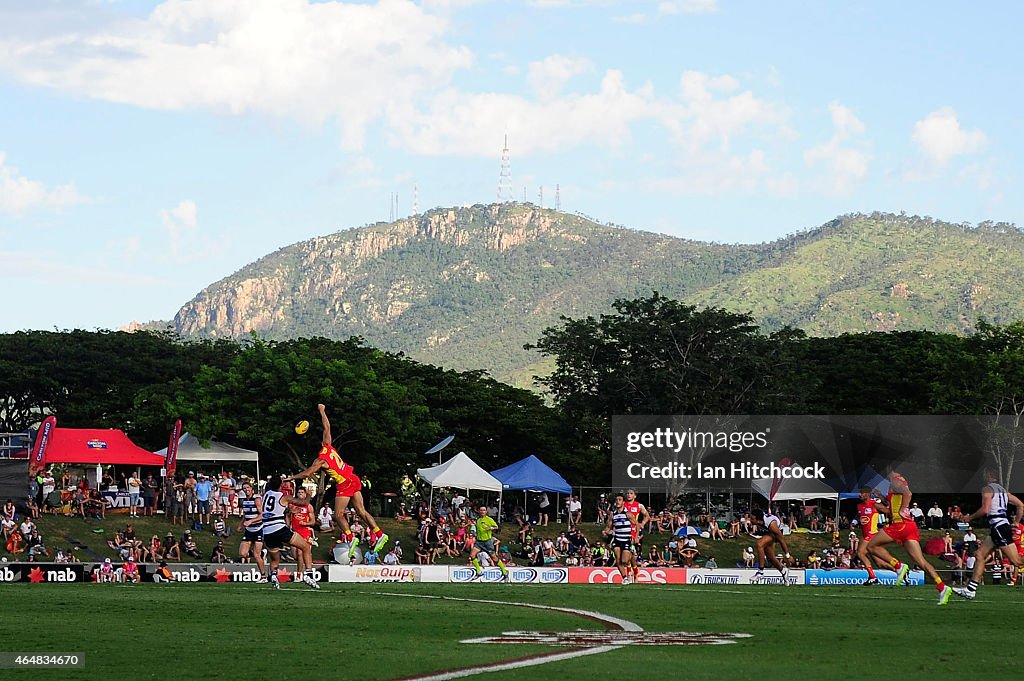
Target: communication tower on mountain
pixel 505 176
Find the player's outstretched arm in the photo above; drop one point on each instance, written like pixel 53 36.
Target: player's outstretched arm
pixel 326 424
pixel 317 465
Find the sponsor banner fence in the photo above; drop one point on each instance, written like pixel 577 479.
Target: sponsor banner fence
pixel 600 575
pixel 516 575
pixel 839 577
pixel 388 573
pixel 740 576
pixel 67 573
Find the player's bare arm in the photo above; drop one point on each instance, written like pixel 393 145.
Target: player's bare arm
pixel 317 465
pixel 986 504
pixel 326 424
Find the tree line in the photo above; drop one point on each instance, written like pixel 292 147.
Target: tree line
pixel 648 355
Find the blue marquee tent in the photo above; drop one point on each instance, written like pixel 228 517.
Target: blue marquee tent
pixel 531 474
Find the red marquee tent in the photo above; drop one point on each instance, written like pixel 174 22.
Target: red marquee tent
pixel 95 446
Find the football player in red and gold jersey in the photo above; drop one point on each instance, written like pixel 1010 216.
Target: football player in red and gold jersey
pixel 867 516
pixel 348 487
pixel 904 530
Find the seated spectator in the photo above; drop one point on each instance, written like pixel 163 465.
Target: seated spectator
pixel 423 555
pixel 748 557
pixel 714 532
pixel 326 518
pixel 526 533
pixel 170 548
pixel 917 513
pixel 188 545
pixel 16 543
pixel 562 545
pixel 710 563
pixel 218 555
pixel 9 512
pixel 667 558
pixel 154 551
pixel 105 572
pixel 96 505
pixel 163 574
pixel 813 560
pixel 830 525
pixel 220 528
pixel 947 546
pixel 7 526
pixel 33 509
pixel 60 556
pixel 653 556
pixel 935 516
pixel 734 528
pixel 577 542
pixel 390 558
pixel 36 550
pixel 130 571
pixel 371 557
pixel 120 544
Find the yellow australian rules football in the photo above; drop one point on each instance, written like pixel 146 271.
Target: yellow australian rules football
pixel 302 427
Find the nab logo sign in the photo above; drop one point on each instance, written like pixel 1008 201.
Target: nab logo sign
pixel 9 575
pixel 192 575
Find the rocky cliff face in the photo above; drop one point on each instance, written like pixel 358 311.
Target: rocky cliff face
pixel 466 288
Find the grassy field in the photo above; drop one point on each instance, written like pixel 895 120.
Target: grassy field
pixel 234 631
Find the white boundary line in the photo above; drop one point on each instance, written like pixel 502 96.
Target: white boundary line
pixel 616 622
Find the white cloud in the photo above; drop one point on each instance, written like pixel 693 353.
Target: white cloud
pixel 548 76
pixel 687 6
pixel 19 194
pixel 842 155
pixel 181 223
pixel 293 59
pixel 939 137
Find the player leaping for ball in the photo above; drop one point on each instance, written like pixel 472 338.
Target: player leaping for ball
pixel 903 529
pixel 994 500
pixel 348 487
pixel 766 546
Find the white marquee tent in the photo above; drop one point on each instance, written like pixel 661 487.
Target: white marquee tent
pixel 190 449
pixel 460 472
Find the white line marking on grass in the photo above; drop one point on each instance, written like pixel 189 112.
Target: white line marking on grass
pixel 624 625
pixel 533 660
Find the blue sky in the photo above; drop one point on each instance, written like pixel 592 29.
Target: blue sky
pixel 148 149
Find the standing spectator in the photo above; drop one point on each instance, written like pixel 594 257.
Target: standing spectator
pixel 49 486
pixel 544 508
pixel 971 543
pixel 177 504
pixel 935 516
pixel 191 503
pixel 602 509
pixel 575 511
pixel 150 487
pixel 225 487
pixel 203 489
pixel 134 489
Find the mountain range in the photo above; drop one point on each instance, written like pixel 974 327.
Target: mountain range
pixel 466 288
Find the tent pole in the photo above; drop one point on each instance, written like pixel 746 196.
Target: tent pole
pixel 500 494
